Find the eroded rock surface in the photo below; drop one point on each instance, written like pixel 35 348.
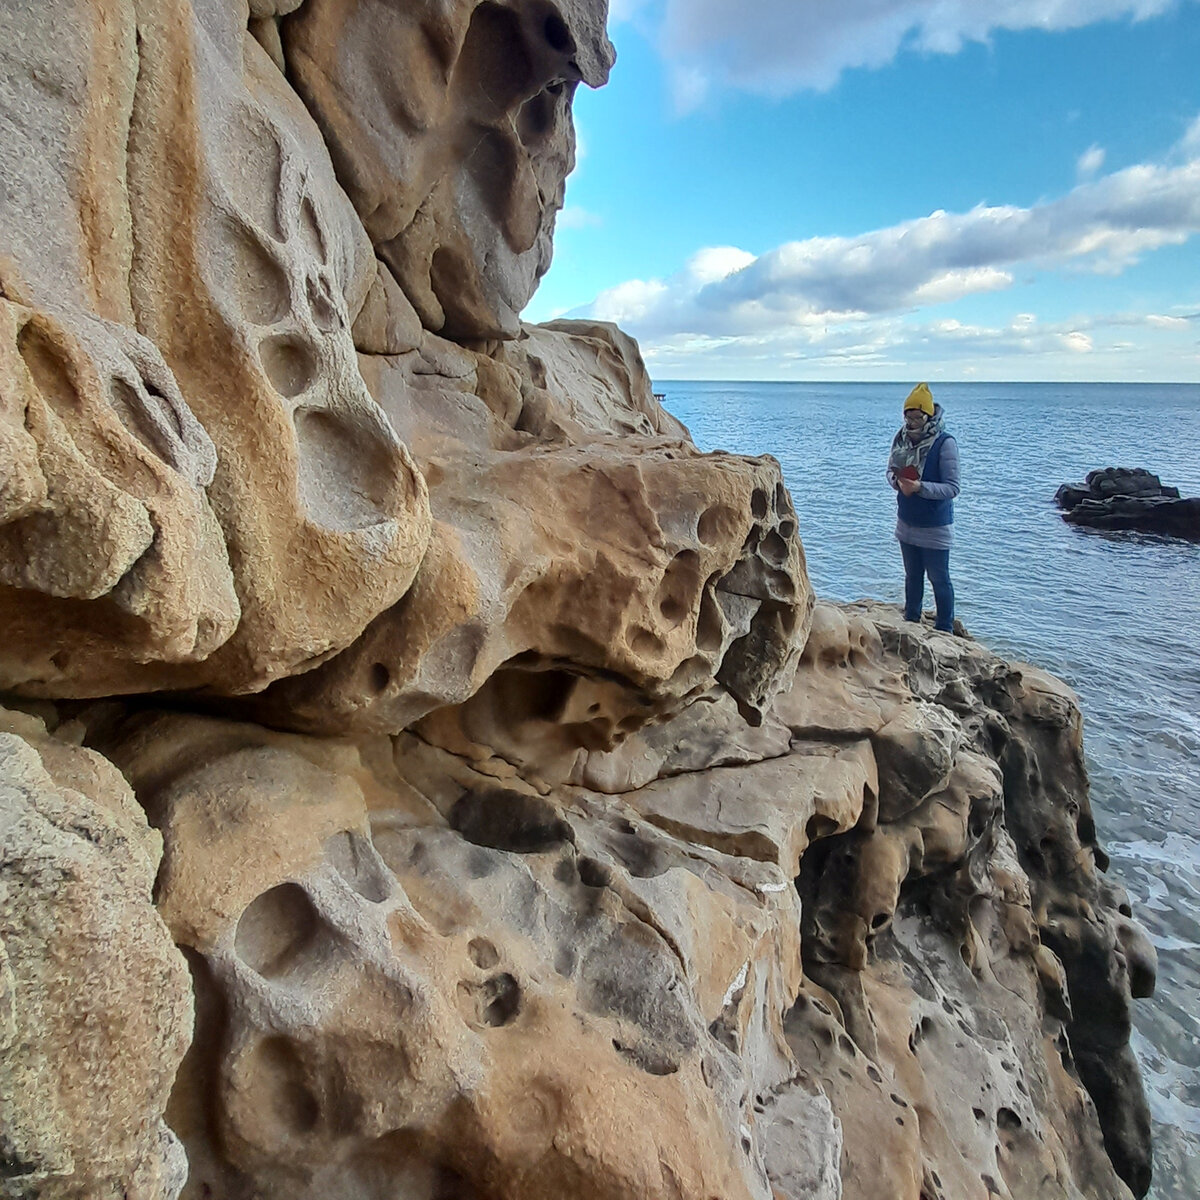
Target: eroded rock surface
pixel 525 830
pixel 237 440
pixel 95 1008
pixel 202 491
pixel 821 956
pixel 450 125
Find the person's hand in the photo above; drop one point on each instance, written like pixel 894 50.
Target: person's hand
pixel 910 487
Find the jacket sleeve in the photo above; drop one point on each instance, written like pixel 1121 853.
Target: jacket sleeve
pixel 948 488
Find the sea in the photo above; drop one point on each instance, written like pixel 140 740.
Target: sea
pixel 1117 615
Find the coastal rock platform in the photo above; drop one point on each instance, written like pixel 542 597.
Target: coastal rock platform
pixel 864 948
pixel 424 774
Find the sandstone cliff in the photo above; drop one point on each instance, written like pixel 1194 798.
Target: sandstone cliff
pixel 524 827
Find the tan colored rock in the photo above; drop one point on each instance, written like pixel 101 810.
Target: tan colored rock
pixel 610 577
pixel 376 1006
pixel 916 751
pixel 205 495
pixel 585 376
pixel 450 127
pixel 203 492
pixel 980 903
pixel 849 690
pixel 95 1004
pixel 769 810
pixel 713 960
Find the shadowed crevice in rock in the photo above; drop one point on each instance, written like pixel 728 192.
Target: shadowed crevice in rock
pixel 506 820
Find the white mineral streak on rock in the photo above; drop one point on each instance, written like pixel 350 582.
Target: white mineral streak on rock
pixel 737 985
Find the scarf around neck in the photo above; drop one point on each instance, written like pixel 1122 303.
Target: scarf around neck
pixel 913 454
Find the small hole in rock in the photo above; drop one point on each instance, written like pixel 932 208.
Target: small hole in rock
pixel 594 874
pixel 276 1083
pixel 493 1003
pixel 648 1059
pixel 820 826
pixel 509 820
pixel 774 549
pixel 483 953
pixel 289 364
pixel 1008 1120
pixel 557 33
pixel 277 930
pixel 673 609
pixel 645 642
pixel 713 524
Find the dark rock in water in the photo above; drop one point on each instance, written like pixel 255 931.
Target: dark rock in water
pixel 1129 498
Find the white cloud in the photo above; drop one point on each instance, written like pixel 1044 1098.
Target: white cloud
pixel 574 217
pixel 834 304
pixel 779 46
pixel 893 346
pixel 1090 161
pixel 1189 144
pixel 1102 226
pixel 717 262
pixel 623 10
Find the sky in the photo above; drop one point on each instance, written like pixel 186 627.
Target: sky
pixel 892 189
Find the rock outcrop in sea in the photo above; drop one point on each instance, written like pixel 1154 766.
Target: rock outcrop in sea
pixel 423 774
pixel 1129 498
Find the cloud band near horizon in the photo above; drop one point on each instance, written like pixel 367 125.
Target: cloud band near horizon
pixel 800 289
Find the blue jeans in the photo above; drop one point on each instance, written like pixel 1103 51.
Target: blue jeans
pixel 919 562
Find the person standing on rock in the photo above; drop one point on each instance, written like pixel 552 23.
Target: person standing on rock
pixel 923 469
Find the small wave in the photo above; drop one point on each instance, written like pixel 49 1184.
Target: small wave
pixel 1170 944
pixel 1176 849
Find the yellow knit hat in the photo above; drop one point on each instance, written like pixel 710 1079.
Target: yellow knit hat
pixel 920 397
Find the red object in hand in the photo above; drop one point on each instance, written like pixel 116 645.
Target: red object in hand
pixel 909 473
